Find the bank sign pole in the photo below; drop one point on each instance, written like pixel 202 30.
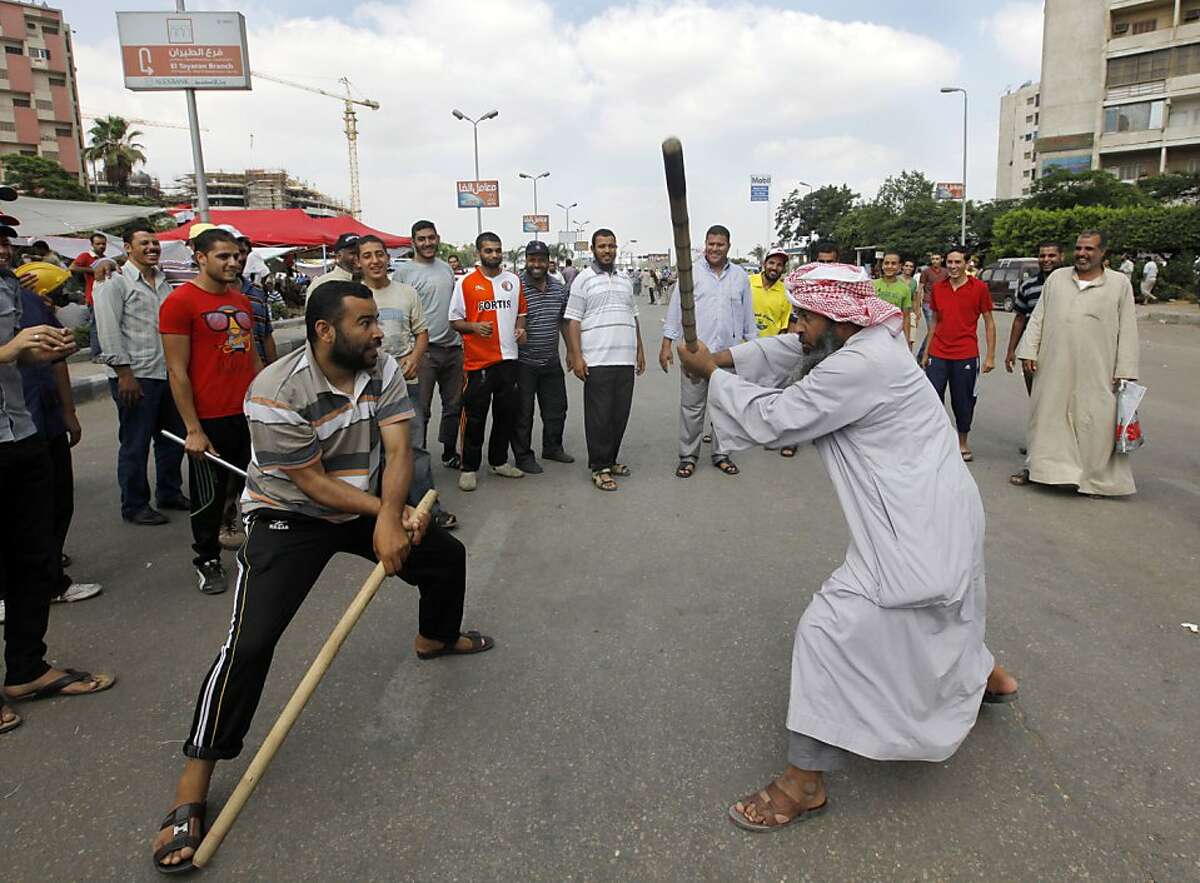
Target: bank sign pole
pixel 181 50
pixel 760 191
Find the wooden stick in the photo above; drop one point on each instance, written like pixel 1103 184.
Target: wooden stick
pixel 295 705
pixel 672 152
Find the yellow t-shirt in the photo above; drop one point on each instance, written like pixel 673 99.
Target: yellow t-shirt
pixel 772 309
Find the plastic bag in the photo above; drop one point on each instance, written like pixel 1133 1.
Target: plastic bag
pixel 1129 428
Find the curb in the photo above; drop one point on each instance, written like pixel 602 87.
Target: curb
pixel 1171 317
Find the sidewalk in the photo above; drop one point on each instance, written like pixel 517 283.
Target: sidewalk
pixel 89 381
pixel 1173 313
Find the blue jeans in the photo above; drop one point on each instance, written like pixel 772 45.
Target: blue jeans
pixel 927 312
pixel 960 376
pixel 139 426
pixel 422 479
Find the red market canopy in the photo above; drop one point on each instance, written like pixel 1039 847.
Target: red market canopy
pixel 269 227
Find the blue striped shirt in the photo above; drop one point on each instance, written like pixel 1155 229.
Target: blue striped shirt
pixel 543 321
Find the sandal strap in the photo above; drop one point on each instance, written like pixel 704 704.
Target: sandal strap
pixel 185 812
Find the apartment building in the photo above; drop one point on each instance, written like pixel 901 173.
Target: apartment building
pixel 39 96
pixel 1120 87
pixel 1016 163
pixel 262 188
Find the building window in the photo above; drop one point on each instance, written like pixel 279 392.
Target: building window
pixel 1134 117
pixel 62 132
pixel 50 154
pixel 20 102
pixel 1029 119
pixel 1025 174
pixel 49 29
pixel 39 54
pixel 1031 99
pixel 1145 25
pixel 11 49
pixel 1186 60
pixel 1146 67
pixel 1028 154
pixel 6 126
pixel 31 27
pixel 25 151
pixel 1191 13
pixel 58 81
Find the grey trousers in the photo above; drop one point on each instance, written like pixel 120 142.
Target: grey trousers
pixel 422 479
pixel 808 753
pixel 442 366
pixel 693 408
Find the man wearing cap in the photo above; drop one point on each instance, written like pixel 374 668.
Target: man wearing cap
pixel 127 305
pixel 772 309
pixel 345 256
pixel 724 316
pixel 539 369
pixel 889 661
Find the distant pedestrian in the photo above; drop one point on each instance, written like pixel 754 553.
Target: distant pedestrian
pixel 1149 278
pixel 724 318
pixel 649 284
pixel 488 309
pixel 930 276
pixel 126 310
pixel 604 349
pixel 1081 339
pixel 952 345
pixel 84 264
pixel 569 273
pixel 539 369
pixel 207 330
pixel 1127 266
pixel 891 288
pixel 442 364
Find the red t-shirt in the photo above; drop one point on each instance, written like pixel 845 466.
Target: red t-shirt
pixel 89 279
pixel 930 277
pixel 956 335
pixel 220 327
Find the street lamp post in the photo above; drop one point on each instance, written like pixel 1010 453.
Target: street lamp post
pixel 567 221
pixel 632 254
pixel 490 115
pixel 534 179
pixel 946 90
pixel 808 235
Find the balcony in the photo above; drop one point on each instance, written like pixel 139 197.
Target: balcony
pixel 1120 141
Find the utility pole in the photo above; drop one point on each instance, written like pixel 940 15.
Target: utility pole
pixel 534 179
pixel 490 115
pixel 197 149
pixel 945 90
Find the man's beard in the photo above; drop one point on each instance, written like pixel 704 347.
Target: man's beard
pixel 491 263
pixel 345 355
pixel 827 344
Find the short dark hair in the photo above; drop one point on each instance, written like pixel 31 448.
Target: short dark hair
pixel 961 249
pixel 486 236
pixel 891 251
pixel 370 237
pixel 422 225
pixel 825 246
pixel 603 231
pixel 1097 233
pixel 1050 243
pixel 134 230
pixel 40 243
pixel 208 240
pixel 98 235
pixel 325 303
pixel 718 230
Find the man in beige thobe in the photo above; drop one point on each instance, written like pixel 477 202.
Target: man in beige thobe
pixel 1081 339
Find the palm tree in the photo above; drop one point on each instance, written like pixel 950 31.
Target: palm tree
pixel 113 144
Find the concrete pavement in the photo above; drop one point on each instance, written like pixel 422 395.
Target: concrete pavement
pixel 640 682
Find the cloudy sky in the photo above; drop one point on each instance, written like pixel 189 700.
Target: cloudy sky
pixel 822 91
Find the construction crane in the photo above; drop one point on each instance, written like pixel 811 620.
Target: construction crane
pixel 137 122
pixel 351 120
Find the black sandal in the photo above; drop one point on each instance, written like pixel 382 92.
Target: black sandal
pixel 727 466
pixel 452 462
pixel 787 452
pixel 479 643
pixel 56 687
pixel 685 469
pixel 446 520
pixel 180 820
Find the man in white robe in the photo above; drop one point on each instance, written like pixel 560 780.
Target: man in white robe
pixel 1081 339
pixel 889 661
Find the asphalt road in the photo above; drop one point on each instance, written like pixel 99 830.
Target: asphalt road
pixel 640 682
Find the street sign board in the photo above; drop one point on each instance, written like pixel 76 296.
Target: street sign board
pixel 582 245
pixel 760 188
pixel 183 50
pixel 947 190
pixel 535 223
pixel 478 194
pixel 566 237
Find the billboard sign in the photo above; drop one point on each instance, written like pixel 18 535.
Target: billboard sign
pixel 183 50
pixel 478 194
pixel 943 190
pixel 760 188
pixel 535 223
pixel 584 245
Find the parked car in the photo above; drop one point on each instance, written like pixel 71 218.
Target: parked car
pixel 1005 277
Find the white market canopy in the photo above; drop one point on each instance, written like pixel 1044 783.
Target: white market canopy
pixel 60 217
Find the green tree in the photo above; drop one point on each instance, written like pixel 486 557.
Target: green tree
pixel 41 177
pixel 1172 188
pixel 1060 189
pixel 901 192
pixel 113 144
pixel 817 212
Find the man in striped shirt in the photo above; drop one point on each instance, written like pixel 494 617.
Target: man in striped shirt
pixel 539 370
pixel 1050 258
pixel 321 420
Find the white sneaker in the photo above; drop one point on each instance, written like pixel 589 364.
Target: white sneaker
pixel 506 470
pixel 467 481
pixel 78 592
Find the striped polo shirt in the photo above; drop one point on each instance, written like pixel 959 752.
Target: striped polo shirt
pixel 543 321
pixel 297 417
